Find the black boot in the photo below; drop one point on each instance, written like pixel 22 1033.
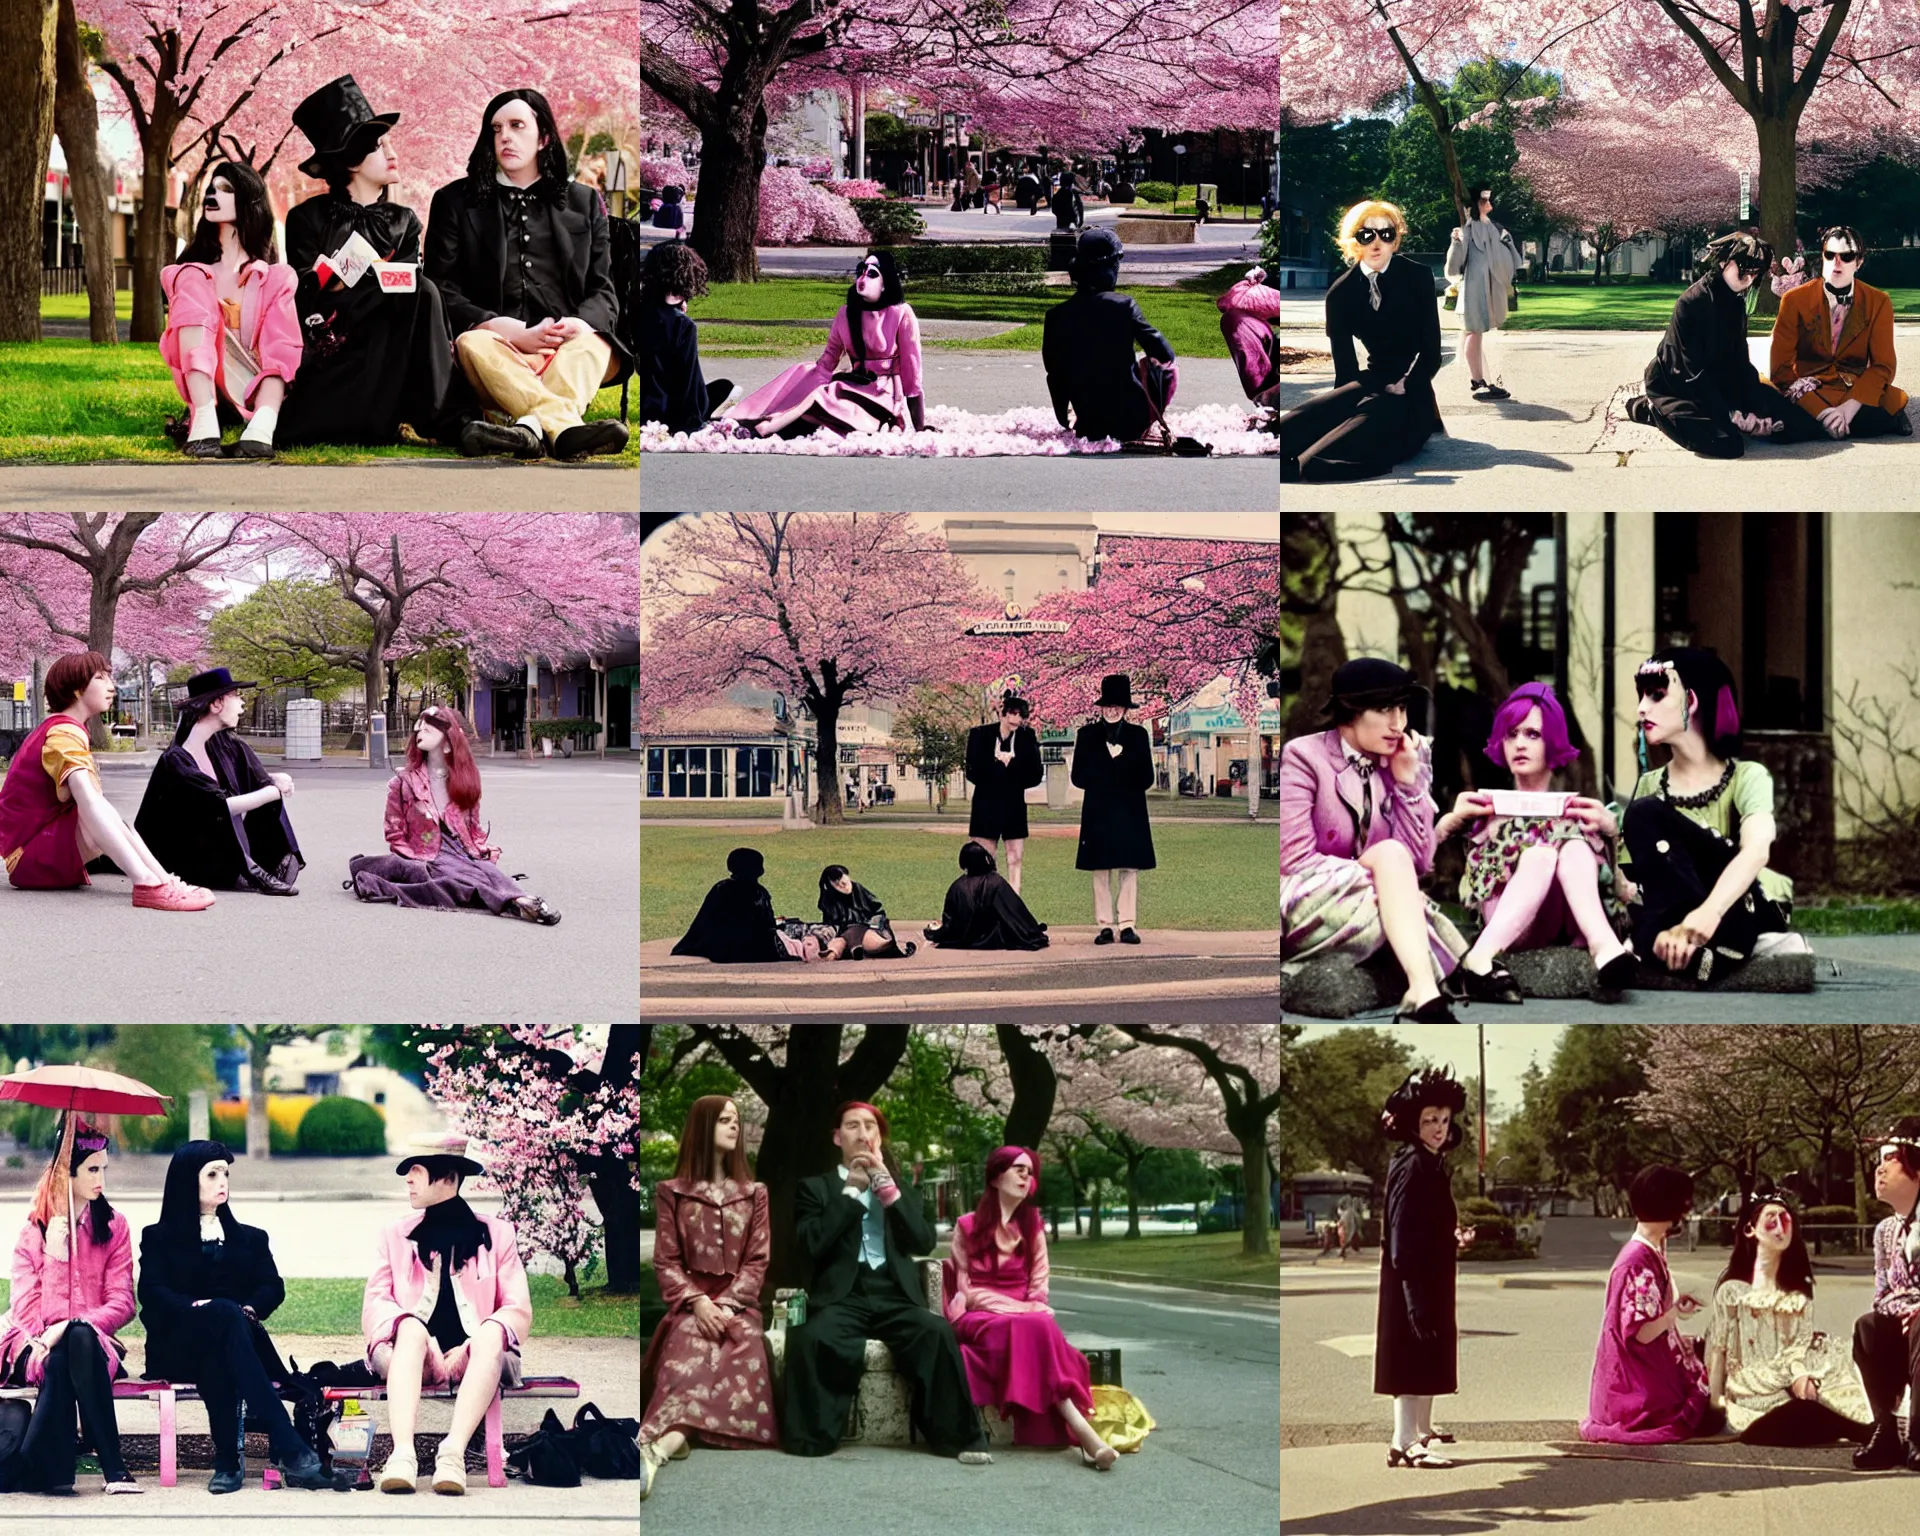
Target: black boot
pixel 301 1470
pixel 264 883
pixel 1883 1450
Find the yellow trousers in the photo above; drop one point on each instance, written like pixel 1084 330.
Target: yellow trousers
pixel 554 390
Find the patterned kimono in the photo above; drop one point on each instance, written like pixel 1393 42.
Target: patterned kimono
pixel 710 1240
pixel 1643 1394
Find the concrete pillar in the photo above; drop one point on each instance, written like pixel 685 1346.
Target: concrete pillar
pixel 197 1118
pixel 859 128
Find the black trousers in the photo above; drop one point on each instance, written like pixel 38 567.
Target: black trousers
pixel 78 1374
pixel 220 1339
pixel 1796 1422
pixel 1698 429
pixel 1889 1361
pixel 1351 434
pixel 827 1353
pixel 1675 863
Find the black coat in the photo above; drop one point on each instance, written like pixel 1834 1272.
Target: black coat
pixel 827 1223
pixel 984 912
pixel 859 905
pixel 672 387
pixel 369 360
pixel 184 818
pixel 1402 338
pixel 174 1275
pixel 1703 356
pixel 1000 792
pixel 467 257
pixel 1114 832
pixel 734 925
pixel 1417 1265
pixel 1087 347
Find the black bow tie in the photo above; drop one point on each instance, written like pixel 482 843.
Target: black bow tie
pixel 1838 295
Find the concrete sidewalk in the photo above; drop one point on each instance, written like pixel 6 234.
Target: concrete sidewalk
pixel 1565 442
pixel 391 485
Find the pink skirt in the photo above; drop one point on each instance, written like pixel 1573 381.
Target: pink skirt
pixel 803 399
pixel 1021 1363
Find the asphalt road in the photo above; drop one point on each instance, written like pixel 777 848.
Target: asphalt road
pixel 88 956
pixel 395 485
pixel 1202 1364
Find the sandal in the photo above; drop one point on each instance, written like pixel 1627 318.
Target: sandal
pixel 1415 1456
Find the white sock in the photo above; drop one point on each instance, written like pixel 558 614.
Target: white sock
pixel 260 429
pixel 205 421
pixel 532 423
pixel 1405 1431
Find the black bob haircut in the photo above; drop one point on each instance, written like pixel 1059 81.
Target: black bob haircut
pixel 439 1168
pixel 551 156
pixel 1660 1193
pixel 252 218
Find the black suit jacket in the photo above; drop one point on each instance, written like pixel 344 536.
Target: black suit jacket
pixel 1086 346
pixel 467 257
pixel 1402 334
pixel 1703 356
pixel 173 1276
pixel 672 387
pixel 827 1222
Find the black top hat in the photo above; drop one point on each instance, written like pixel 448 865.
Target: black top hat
pixel 1371 682
pixel 340 125
pixel 1116 689
pixel 205 687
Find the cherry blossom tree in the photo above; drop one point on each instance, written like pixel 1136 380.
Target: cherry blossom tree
pixel 1612 179
pixel 1718 1097
pixel 502 584
pixel 793 210
pixel 827 608
pixel 558 1113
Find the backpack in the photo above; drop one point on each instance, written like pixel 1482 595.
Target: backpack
pixel 547 1457
pixel 623 243
pixel 606 1447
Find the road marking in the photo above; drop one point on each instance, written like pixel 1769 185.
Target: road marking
pixel 1355 1346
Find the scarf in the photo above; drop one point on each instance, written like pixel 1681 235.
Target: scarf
pixel 451 1230
pixel 1839 295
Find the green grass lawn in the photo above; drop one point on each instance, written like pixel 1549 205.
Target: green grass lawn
pixel 1209 877
pixel 73 306
pixel 333 1307
pixel 1170 1256
pixel 66 401
pixel 916 809
pixel 1185 314
pixel 1635 307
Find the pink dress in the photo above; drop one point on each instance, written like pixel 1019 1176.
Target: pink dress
pixel 1245 310
pixel 1017 1358
pixel 811 391
pixel 1643 1394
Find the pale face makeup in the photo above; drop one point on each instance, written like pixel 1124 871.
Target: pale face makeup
pixel 726 1129
pixel 1377 253
pixel 1773 1229
pixel 859 1131
pixel 219 203
pixel 381 166
pixel 214 1179
pixel 1660 718
pixel 1015 1182
pixel 429 736
pixel 1837 272
pixel 1112 714
pixel 226 710
pixel 843 884
pixel 516 137
pixel 1526 748
pixel 90 1179
pixel 423 1191
pixel 1435 1121
pixel 867 281
pixel 1378 732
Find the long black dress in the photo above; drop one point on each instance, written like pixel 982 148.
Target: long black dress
pixel 1360 429
pixel 984 912
pixel 1087 347
pixel 184 818
pixel 1417 1265
pixel 370 359
pixel 1702 371
pixel 1000 789
pixel 1114 831
pixel 734 925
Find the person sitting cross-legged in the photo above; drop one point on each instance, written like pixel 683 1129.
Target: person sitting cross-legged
pixel 1833 346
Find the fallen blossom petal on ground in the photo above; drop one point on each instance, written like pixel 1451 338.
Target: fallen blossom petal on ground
pixel 952 433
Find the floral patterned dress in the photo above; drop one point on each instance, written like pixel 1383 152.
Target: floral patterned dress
pixel 1494 854
pixel 1761 1342
pixel 710 1240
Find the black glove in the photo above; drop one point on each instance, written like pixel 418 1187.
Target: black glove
pixel 917 412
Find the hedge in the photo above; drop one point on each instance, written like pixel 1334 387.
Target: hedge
pixel 1153 191
pixel 227 1122
pixel 929 258
pixel 887 221
pixel 341 1127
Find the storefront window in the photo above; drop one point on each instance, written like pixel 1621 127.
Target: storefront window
pixel 656 772
pixel 676 773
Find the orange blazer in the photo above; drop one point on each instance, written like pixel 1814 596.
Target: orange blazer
pixel 1860 368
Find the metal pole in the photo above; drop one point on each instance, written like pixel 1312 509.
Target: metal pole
pixel 1481 1029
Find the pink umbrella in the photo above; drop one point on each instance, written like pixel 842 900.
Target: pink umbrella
pixel 73 1089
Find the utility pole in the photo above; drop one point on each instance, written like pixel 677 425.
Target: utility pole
pixel 1481 1029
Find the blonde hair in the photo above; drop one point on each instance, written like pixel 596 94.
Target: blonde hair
pixel 1357 215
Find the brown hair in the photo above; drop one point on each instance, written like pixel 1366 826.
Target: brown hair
pixel 880 1118
pixel 696 1143
pixel 68 677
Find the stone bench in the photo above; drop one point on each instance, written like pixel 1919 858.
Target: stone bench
pixel 1339 989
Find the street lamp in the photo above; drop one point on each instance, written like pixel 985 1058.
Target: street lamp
pixel 1246 166
pixel 1178 150
pixel 617 183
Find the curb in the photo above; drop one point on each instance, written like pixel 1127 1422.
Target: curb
pixel 714 1007
pixel 1223 1287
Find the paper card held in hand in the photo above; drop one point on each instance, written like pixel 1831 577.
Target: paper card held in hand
pixel 350 262
pixel 397 276
pixel 1521 802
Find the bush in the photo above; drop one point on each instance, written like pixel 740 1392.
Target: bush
pixel 227 1122
pixel 1828 1216
pixel 926 258
pixel 1154 191
pixel 1270 244
pixel 888 222
pixel 341 1127
pixel 855 191
pixel 793 211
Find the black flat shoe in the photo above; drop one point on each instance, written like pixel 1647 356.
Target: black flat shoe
pixel 1433 1011
pixel 266 884
pixel 1497 986
pixel 1104 936
pixel 1128 936
pixel 478 439
pixel 251 448
pixel 302 1471
pixel 1883 1449
pixel 226 1480
pixel 589 438
pixel 202 448
pixel 1619 972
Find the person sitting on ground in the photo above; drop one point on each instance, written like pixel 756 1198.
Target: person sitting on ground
pixel 1781 1381
pixel 862 928
pixel 1833 346
pixel 735 923
pixel 1699 831
pixel 1536 880
pixel 1649 1382
pixel 671 214
pixel 1886 1343
pixel 1087 346
pixel 1249 311
pixel 672 387
pixel 983 912
pixel 54 816
pixel 1702 389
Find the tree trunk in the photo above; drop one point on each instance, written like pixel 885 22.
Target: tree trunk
pixel 830 808
pixel 1095 1188
pixel 727 200
pixel 259 1136
pixel 77 122
pixel 1133 1155
pixel 27 35
pixel 1034 1086
pixel 152 230
pixel 1256 1227
pixel 1779 178
pixel 611 1178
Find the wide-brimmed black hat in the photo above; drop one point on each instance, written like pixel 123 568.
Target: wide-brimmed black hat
pixel 1116 690
pixel 1372 682
pixel 340 125
pixel 205 687
pixel 1435 1087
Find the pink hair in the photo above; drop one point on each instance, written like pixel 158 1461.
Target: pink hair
pixel 1553 724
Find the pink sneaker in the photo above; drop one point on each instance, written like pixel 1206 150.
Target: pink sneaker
pixel 174 895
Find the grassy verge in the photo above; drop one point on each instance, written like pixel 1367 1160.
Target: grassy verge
pixel 1209 877
pixel 73 306
pixel 1186 314
pixel 917 810
pixel 1179 1256
pixel 1843 917
pixel 65 401
pixel 1635 307
pixel 332 1306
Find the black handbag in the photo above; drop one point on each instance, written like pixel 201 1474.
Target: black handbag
pixel 606 1447
pixel 547 1457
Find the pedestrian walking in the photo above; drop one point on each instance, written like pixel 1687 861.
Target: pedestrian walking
pixel 1113 763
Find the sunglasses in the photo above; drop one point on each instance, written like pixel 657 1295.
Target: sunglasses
pixel 1849 257
pixel 1384 236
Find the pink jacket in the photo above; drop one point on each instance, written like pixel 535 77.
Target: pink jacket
pixel 269 322
pixel 1245 309
pixel 491 1285
pixel 102 1288
pixel 1320 803
pixel 965 1292
pixel 892 336
pixel 413 828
